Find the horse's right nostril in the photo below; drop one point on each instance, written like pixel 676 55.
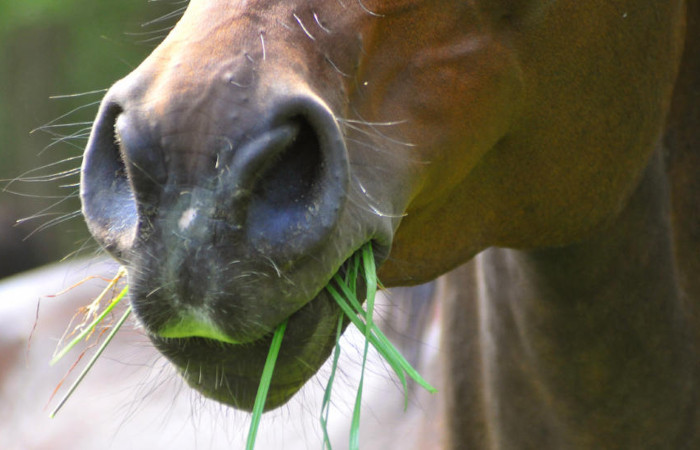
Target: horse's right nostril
pixel 107 196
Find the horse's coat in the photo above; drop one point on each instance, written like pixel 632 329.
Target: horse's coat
pixel 264 142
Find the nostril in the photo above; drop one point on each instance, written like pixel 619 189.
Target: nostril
pixel 107 197
pixel 296 198
pixel 143 161
pixel 292 179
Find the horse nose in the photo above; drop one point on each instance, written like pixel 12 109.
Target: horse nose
pixel 277 188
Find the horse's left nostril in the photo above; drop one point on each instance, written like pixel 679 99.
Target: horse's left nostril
pixel 292 178
pixel 295 191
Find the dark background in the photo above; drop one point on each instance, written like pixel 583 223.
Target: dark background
pixel 52 48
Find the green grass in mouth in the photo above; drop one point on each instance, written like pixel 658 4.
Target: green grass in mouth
pixel 264 386
pixel 344 292
pixel 362 263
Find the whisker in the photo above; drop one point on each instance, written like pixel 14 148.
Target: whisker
pixel 36 216
pixel 380 149
pixel 53 164
pixel 81 94
pixel 83 132
pixel 44 211
pixel 51 177
pixel 148 175
pixel 335 67
pixel 156 38
pixel 262 43
pixel 67 142
pixel 89 105
pixel 78 135
pixel 56 221
pixel 320 25
pixel 61 125
pixel 174 14
pixel 369 207
pixel 274 266
pixel 301 24
pixel 148 33
pixel 41 196
pixel 84 245
pixel 372 124
pixel 284 25
pixel 371 13
pixel 24 178
pixel 378 134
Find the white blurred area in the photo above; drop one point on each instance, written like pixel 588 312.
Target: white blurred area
pixel 133 399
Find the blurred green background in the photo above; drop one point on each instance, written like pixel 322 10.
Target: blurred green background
pixel 51 48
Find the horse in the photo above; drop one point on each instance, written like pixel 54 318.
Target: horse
pixel 543 153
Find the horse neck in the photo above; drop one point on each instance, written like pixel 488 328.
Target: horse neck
pixel 682 139
pixel 586 346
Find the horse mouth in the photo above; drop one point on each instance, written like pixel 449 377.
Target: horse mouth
pixel 230 373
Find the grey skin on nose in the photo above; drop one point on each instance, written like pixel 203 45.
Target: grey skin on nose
pixel 269 198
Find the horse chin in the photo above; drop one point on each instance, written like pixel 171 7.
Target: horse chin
pixel 230 373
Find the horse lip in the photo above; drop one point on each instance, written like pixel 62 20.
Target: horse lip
pixel 194 324
pixel 172 335
pixel 241 364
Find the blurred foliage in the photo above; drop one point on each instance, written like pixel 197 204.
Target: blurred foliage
pixel 52 48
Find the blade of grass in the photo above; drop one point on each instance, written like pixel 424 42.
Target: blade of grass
pixel 381 347
pixel 370 273
pixel 395 359
pixel 355 425
pixel 410 371
pixel 264 386
pixel 371 287
pixel 326 404
pixel 92 361
pixel 351 274
pixel 391 351
pixel 90 327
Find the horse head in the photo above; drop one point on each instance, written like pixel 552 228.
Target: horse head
pixel 263 143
